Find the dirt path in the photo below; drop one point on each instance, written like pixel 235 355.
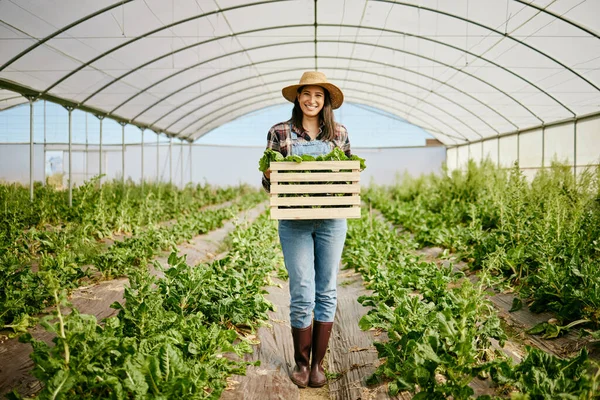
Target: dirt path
pixel 351 354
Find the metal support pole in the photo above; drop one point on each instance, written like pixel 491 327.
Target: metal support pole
pixel 86 146
pixel 190 157
pixel 575 150
pixel 498 153
pixel 142 178
pixel 123 153
pixel 44 169
pixel 170 161
pixel 519 149
pixel 482 153
pixel 181 161
pixel 100 153
pixel 157 158
pixel 31 149
pixel 543 145
pixel 70 110
pixel 456 157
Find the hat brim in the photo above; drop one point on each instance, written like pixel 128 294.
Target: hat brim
pixel 335 94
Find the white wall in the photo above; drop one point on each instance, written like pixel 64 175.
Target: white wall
pixel 575 143
pixel 217 165
pixel 14 163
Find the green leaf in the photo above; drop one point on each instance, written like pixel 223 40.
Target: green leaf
pixel 517 304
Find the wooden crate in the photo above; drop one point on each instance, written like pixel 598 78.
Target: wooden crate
pixel 289 182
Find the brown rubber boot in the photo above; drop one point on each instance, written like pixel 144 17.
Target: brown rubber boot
pixel 321 333
pixel 302 338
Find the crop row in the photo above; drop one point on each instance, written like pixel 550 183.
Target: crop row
pixel 542 237
pixel 111 209
pixel 440 327
pixel 72 256
pixel 172 335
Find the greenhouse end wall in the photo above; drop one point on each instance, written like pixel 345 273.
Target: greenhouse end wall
pixel 215 165
pixel 576 143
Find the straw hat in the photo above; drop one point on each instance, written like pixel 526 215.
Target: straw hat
pixel 315 78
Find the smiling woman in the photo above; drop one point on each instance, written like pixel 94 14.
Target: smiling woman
pixel 312 248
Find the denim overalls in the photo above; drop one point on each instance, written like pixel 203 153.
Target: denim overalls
pixel 312 250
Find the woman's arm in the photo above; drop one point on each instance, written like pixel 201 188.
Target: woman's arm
pixel 273 144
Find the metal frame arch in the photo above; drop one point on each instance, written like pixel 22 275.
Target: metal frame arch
pixel 461 51
pixel 323 41
pixel 542 53
pixel 269 96
pixel 354 81
pixel 433 131
pixel 218 88
pixel 336 41
pixel 197 65
pixel 188 47
pixel 149 33
pixel 346 80
pixel 354 70
pixel 352 26
pixel 558 16
pixel 395 112
pixel 376 95
pixel 326 25
pixel 61 30
pixel 332 68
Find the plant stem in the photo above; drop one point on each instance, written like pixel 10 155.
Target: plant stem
pixel 62 327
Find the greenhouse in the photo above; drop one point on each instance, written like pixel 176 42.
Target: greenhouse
pixel 300 199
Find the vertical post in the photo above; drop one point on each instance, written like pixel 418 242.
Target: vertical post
pixel 181 161
pixel 70 110
pixel 157 158
pixel 31 148
pixel 190 157
pixel 456 156
pixel 44 169
pixel 123 153
pixel 519 149
pixel 482 154
pixel 142 178
pixel 170 160
pixel 101 117
pixel 86 146
pixel 575 150
pixel 498 153
pixel 468 153
pixel 543 145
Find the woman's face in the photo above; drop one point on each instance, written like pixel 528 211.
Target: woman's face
pixel 311 100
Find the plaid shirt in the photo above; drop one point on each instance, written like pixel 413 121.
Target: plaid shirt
pixel 279 139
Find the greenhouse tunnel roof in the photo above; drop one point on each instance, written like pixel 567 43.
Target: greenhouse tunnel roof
pixel 462 70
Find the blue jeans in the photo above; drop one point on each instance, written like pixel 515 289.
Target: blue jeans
pixel 312 250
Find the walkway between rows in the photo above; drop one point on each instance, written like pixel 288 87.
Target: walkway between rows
pixel 351 358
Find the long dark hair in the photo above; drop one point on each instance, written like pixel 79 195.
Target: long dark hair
pixel 325 116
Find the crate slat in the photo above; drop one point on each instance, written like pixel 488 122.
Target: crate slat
pixel 314 165
pixel 291 181
pixel 316 201
pixel 315 213
pixel 315 177
pixel 312 189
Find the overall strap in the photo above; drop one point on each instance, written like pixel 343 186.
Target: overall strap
pixel 292 133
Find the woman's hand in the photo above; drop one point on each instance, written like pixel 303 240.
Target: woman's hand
pixel 268 173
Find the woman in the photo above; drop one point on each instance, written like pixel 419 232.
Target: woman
pixel 312 249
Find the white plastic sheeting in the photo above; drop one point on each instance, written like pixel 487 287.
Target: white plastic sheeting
pixel 572 143
pixel 217 165
pixel 463 70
